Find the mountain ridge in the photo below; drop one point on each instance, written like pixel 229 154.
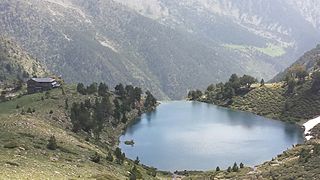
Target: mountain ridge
pixel 103 40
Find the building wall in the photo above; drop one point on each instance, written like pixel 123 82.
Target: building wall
pixel 34 87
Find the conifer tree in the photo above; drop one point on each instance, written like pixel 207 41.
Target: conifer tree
pixel 52 143
pixel 235 167
pixel 262 82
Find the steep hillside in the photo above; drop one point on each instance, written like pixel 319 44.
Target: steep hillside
pixel 181 45
pixel 28 151
pixel 309 59
pixel 270 100
pixel 274 102
pixel 293 97
pixel 273 28
pixel 16 64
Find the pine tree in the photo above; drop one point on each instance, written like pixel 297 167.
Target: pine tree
pixel 87 103
pixel 118 153
pixel 315 81
pixel 93 88
pixel 291 85
pixel 109 157
pixel 137 161
pixel 29 110
pixel 75 117
pixel 229 169
pixel 117 110
pixel 85 119
pixel 150 100
pixel 81 89
pixel 102 89
pixel 235 167
pixel 66 102
pixel 120 91
pixel 262 82
pixel 137 94
pixel 124 119
pixel 95 158
pixel 52 143
pixel 241 165
pixel 218 168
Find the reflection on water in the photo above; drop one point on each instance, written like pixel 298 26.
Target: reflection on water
pixel 196 136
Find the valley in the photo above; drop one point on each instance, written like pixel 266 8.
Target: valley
pixel 154 44
pixel 159 89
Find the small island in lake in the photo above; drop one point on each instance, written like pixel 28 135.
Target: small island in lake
pixel 131 143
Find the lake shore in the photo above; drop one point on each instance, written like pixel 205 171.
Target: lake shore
pixel 196 121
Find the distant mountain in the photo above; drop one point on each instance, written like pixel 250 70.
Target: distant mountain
pixel 167 46
pixel 309 59
pixel 16 64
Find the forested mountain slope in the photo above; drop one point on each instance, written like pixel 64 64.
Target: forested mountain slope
pixel 186 44
pixel 308 60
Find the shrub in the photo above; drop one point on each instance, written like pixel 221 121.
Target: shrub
pixel 47 94
pixel 137 161
pixel 117 153
pixel 109 157
pixel 29 111
pixel 304 155
pixel 124 119
pixel 66 102
pixel 95 158
pixel 135 173
pixel 81 89
pixel 23 112
pixel 11 145
pixel 316 149
pixel 229 169
pixel 152 172
pixel 52 143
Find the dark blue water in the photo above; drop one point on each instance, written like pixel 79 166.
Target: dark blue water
pixel 183 135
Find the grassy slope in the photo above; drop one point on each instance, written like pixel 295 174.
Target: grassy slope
pixel 28 136
pixel 270 50
pixel 265 101
pixel 309 60
pixel 270 101
pixel 287 166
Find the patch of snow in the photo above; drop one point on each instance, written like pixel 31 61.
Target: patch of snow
pixel 66 37
pixel 54 12
pixel 108 44
pixel 69 5
pixel 150 8
pixel 309 125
